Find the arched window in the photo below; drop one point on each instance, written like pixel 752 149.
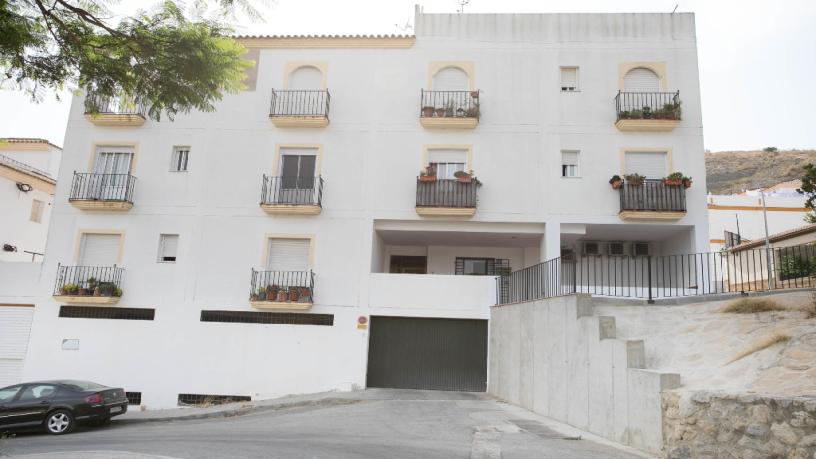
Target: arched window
pixel 451 79
pixel 641 80
pixel 306 77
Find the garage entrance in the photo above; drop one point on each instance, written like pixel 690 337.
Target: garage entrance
pixel 434 354
pixel 15 326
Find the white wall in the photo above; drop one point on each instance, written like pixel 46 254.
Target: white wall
pixel 372 152
pixel 17 228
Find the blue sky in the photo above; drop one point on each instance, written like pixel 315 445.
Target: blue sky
pixel 757 59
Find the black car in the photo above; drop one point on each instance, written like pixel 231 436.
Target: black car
pixel 58 406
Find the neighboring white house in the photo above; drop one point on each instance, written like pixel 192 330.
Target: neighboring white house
pixel 285 243
pixel 28 170
pixel 736 217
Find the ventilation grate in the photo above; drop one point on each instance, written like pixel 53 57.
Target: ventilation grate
pixel 99 312
pixel 251 317
pixel 134 398
pixel 210 399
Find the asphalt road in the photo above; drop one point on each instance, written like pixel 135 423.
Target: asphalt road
pixel 402 424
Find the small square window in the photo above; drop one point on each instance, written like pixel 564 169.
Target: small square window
pixel 37 211
pixel 168 247
pixel 180 159
pixel 569 79
pixel 641 249
pixel 570 164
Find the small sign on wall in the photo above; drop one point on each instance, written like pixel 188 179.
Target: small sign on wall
pixel 362 323
pixel 70 344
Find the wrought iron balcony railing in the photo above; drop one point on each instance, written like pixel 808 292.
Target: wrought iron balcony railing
pixel 282 286
pixel 103 105
pixel 449 104
pixel 292 190
pixel 648 105
pixel 102 187
pixel 450 193
pixel 652 196
pixel 78 281
pixel 300 103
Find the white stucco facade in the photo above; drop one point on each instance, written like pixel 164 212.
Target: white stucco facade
pixel 369 156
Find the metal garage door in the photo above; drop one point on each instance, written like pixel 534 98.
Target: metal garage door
pixel 436 354
pixel 15 326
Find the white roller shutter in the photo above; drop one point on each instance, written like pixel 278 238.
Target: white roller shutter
pixel 306 78
pixel 288 255
pixel 99 249
pixel 450 79
pixel 652 165
pixel 569 78
pixel 641 80
pixel 15 327
pixel 447 156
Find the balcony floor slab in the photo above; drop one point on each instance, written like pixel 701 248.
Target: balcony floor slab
pixel 115 119
pixel 647 125
pixel 446 211
pixel 449 123
pixel 291 209
pixel 87 300
pixel 650 215
pixel 282 305
pixel 300 121
pixel 115 206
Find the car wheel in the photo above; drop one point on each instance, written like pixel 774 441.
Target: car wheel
pixel 59 422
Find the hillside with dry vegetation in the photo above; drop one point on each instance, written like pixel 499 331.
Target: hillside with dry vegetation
pixel 730 172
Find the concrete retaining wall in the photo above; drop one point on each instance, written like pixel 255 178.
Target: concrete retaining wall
pixel 555 358
pixel 705 424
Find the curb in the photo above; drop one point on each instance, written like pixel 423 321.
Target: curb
pixel 244 410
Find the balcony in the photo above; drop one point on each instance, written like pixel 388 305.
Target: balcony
pixel 449 109
pixel 88 285
pixel 292 195
pixel 647 111
pixel 652 200
pixel 288 290
pixel 113 192
pixel 113 111
pixel 446 197
pixel 300 108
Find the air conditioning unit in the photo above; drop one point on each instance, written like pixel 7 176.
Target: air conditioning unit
pixel 617 248
pixel 641 249
pixel 592 248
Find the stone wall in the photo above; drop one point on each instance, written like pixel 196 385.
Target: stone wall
pixel 717 425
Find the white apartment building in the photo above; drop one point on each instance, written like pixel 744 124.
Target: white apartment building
pixel 286 243
pixel 742 216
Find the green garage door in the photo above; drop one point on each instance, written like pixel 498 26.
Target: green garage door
pixel 436 354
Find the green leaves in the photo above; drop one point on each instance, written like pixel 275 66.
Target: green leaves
pixel 809 189
pixel 169 62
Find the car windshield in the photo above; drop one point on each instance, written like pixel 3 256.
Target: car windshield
pixel 83 385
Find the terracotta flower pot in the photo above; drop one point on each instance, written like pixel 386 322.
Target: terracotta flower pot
pixel 440 112
pixel 427 178
pixel 687 183
pixel 83 291
pixel 282 296
pixel 427 112
pixel 465 179
pixel 617 184
pixel 294 295
pixel 672 182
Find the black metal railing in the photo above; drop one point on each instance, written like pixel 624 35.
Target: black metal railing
pixel 292 190
pixel 665 276
pixel 89 280
pixel 300 103
pixel 446 193
pixel 449 104
pixel 648 105
pixel 95 103
pixel 102 187
pixel 282 286
pixel 652 195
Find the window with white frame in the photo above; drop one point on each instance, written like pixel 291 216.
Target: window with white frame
pixel 651 164
pixel 569 79
pixel 288 254
pixel 37 211
pixel 168 248
pixel 180 159
pixel 570 164
pixel 99 249
pixel 446 162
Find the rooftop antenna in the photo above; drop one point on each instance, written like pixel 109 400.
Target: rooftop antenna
pixel 675 8
pixel 462 4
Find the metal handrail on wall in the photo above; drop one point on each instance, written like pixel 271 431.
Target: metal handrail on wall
pixel 265 283
pixel 447 193
pixel 292 190
pixel 652 195
pixel 300 103
pixel 648 105
pixel 449 104
pixel 665 276
pixel 102 187
pixel 86 278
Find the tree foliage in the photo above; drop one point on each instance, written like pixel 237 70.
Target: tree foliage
pixel 809 189
pixel 169 62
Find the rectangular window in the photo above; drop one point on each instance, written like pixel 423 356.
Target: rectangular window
pixel 408 264
pixel 99 249
pixel 37 211
pixel 180 159
pixel 641 249
pixel 569 79
pixel 447 162
pixel 569 164
pixel 468 266
pixel 288 254
pixel 298 171
pixel 592 248
pixel 651 164
pixel 168 246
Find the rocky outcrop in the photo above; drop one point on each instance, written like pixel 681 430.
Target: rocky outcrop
pixel 718 425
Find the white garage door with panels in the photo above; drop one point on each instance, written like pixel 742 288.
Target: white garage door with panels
pixel 15 326
pixel 651 164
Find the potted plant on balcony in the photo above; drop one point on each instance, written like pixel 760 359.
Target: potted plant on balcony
pixel 647 113
pixel 616 181
pixel 117 292
pixel 464 177
pixel 673 179
pixel 69 289
pixel 427 111
pixel 427 175
pixel 305 294
pixel 634 179
pixel 271 292
pixel 93 286
pixel 474 94
pixel 686 182
pixel 283 296
pixel 105 289
pixel 440 112
pixel 294 294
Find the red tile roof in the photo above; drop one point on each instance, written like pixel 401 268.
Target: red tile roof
pixel 791 233
pixel 27 140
